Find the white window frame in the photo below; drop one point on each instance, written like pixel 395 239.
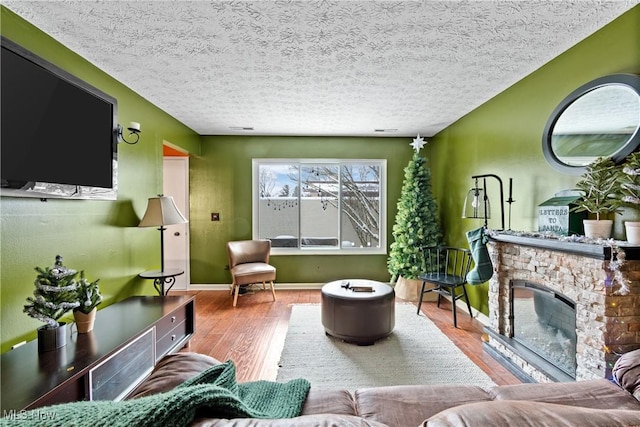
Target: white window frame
pixel 255 197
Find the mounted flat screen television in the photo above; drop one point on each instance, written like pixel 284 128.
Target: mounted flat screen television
pixel 59 134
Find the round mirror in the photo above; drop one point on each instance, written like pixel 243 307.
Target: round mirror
pixel 599 119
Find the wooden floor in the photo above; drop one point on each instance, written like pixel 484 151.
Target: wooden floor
pixel 252 334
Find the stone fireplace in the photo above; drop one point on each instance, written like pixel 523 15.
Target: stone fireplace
pixel 555 283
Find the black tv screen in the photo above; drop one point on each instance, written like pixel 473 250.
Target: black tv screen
pixel 58 133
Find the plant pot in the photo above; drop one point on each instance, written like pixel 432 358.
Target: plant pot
pixel 633 232
pixel 409 290
pixel 84 322
pixel 598 229
pixel 52 338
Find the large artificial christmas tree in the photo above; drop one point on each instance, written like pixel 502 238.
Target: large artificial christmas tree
pixel 417 222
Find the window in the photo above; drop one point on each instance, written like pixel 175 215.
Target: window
pixel 320 206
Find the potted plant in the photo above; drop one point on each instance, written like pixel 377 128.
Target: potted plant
pixel 629 179
pixel 89 298
pixel 600 196
pixel 55 294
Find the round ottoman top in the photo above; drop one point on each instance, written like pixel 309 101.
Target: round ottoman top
pixel 344 289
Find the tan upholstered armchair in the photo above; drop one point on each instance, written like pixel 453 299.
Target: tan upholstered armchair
pixel 249 264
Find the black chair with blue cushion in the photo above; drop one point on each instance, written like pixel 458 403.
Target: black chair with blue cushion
pixel 446 270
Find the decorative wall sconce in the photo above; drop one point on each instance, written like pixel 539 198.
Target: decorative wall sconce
pixel 134 129
pixel 476 204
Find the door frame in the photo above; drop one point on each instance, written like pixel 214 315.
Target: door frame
pixel 184 188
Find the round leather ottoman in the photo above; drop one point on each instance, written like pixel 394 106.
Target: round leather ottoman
pixel 358 317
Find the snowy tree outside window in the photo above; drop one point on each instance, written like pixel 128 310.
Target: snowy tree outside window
pixel 320 206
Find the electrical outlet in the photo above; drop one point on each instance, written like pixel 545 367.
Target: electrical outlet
pixel 215 216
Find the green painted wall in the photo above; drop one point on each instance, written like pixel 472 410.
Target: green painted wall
pixel 99 237
pixel 504 136
pixel 221 182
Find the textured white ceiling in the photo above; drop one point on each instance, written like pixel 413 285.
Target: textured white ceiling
pixel 319 67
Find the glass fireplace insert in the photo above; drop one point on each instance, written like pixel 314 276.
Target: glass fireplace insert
pixel 544 321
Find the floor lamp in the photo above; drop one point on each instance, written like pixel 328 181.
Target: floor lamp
pixel 162 211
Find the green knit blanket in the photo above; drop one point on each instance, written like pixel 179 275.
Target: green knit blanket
pixel 214 393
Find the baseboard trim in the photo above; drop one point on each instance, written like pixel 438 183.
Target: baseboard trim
pixel 278 285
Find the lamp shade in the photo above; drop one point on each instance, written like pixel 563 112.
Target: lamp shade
pixel 161 210
pixel 475 204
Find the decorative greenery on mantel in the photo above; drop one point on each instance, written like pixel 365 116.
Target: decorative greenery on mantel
pixel 600 188
pixel 618 255
pixel 552 236
pixel 629 179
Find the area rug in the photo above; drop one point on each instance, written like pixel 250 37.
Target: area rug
pixel 416 352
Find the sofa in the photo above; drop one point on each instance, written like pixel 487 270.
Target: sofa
pixel 599 402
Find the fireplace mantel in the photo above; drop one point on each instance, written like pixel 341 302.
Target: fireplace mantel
pixel 591 250
pixel 607 302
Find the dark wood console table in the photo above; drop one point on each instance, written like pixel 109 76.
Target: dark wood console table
pixel 128 339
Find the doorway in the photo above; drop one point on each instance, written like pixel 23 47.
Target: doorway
pixel 176 237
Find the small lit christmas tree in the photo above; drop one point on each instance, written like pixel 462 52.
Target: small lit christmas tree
pixel 417 223
pixel 89 296
pixel 55 294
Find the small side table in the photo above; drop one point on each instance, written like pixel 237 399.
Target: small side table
pixel 162 278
